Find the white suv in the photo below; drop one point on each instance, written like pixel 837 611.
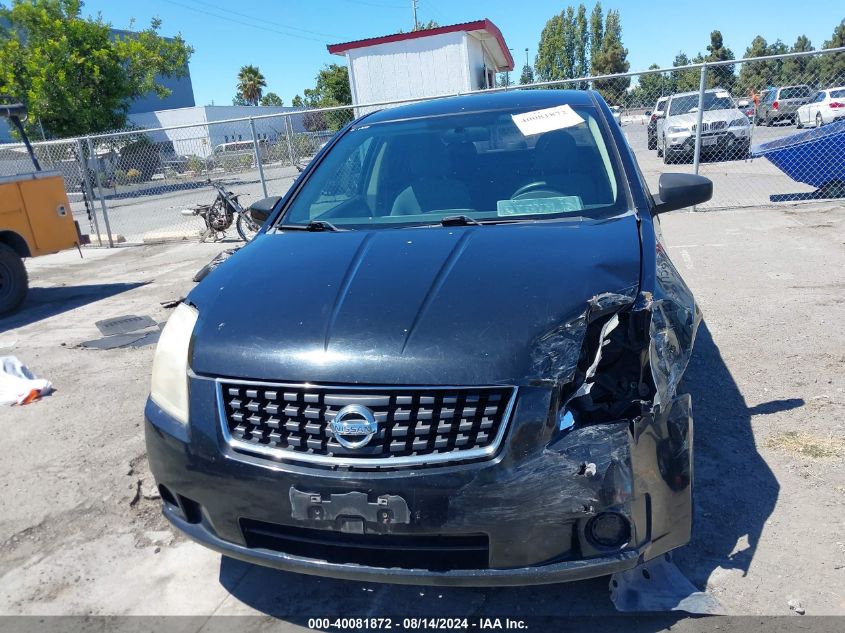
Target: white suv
pixel 725 133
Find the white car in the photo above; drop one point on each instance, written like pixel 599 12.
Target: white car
pixel 616 111
pixel 725 131
pixel 826 107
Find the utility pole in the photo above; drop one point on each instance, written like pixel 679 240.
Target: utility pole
pixel 414 6
pixel 526 56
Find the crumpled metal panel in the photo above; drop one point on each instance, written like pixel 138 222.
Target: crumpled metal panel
pixel 674 322
pixel 555 354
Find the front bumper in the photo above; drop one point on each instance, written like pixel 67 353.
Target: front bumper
pixel 719 142
pixel 531 505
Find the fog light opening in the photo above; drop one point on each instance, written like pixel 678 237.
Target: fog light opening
pixel 167 496
pixel 608 530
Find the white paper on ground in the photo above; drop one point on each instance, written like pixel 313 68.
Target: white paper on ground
pixel 546 120
pixel 17 383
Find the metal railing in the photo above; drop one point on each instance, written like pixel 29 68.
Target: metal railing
pixel 132 184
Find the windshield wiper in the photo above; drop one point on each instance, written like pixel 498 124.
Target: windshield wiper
pixel 313 225
pixel 459 220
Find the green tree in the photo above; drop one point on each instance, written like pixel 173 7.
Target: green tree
pixel 800 70
pixel 527 76
pixel 581 36
pixel 297 102
pixel 331 89
pixel 74 75
pixel 422 26
pixel 596 34
pixel 754 75
pixel 721 76
pixel 832 65
pixel 547 63
pixel 684 80
pixel 272 99
pixel 238 100
pixel 613 58
pixel 557 51
pixel 649 88
pixel 251 84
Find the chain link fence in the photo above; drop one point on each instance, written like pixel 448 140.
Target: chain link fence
pixel 766 131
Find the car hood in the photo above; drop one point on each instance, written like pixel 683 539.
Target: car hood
pixel 434 305
pixel 691 118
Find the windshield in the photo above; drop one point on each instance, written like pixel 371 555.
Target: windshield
pixel 795 92
pixel 479 165
pixel 689 103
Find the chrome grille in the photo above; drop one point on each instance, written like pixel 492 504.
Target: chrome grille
pixel 415 425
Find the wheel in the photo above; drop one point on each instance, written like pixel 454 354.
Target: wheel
pixel 13 280
pixel 652 142
pixel 819 119
pixel 247 227
pixel 660 149
pixel 798 124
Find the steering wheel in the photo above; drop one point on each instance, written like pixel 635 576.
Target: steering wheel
pixel 536 189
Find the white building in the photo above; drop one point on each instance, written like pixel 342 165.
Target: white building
pixel 208 126
pixel 439 61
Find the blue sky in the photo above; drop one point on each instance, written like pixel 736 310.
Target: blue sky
pixel 287 39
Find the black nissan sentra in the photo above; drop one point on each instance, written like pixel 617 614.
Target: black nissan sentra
pixel 450 356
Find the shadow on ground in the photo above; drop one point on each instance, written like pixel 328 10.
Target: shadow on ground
pixel 43 303
pixel 735 493
pixel 735 490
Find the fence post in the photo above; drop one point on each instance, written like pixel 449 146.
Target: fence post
pixel 293 161
pixel 258 156
pixel 103 206
pixel 87 193
pixel 700 116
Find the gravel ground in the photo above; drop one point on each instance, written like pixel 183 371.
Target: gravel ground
pixel 81 532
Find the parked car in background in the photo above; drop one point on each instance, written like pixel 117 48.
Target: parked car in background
pixel 725 133
pixel 656 115
pixel 236 155
pixel 446 358
pixel 616 111
pixel 746 106
pixel 826 107
pixel 780 104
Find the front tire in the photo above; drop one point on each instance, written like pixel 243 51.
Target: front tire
pixel 247 228
pixel 819 119
pixel 14 282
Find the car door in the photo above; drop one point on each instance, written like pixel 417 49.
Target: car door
pixel 807 113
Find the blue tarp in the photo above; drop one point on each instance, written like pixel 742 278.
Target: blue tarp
pixel 815 157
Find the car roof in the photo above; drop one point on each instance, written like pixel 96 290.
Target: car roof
pixel 695 92
pixel 511 99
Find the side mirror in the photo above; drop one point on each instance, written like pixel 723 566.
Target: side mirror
pixel 677 191
pixel 260 210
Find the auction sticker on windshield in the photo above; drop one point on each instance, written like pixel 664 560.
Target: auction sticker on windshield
pixel 540 121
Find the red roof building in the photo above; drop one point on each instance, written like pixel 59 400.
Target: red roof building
pixel 443 60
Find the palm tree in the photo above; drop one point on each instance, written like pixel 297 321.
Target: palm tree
pixel 250 83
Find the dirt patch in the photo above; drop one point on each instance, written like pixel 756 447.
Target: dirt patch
pixel 808 445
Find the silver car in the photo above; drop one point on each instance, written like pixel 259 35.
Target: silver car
pixel 781 104
pixel 725 133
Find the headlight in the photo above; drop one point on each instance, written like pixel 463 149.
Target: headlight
pixel 170 364
pixel 678 129
pixel 738 123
